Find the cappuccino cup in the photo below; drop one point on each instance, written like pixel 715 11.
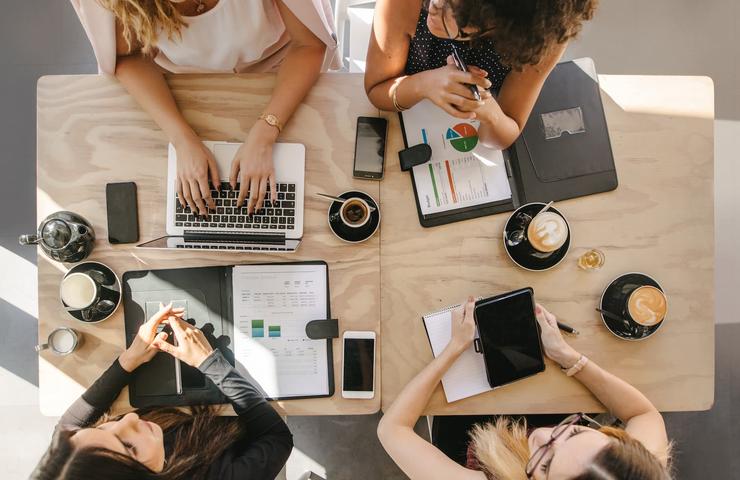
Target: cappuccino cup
pixel 79 291
pixel 61 341
pixel 547 232
pixel 354 212
pixel 647 305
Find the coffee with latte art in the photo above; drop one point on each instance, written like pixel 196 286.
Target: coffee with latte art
pixel 647 305
pixel 547 232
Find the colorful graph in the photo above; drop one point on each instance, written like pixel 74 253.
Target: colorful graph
pixel 274 330
pixel 463 137
pixel 258 328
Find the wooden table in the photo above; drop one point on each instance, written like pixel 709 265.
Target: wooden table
pixel 90 132
pixel 659 221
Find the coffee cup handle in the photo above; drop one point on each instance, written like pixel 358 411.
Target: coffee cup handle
pixel 43 346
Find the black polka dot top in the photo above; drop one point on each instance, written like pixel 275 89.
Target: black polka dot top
pixel 427 52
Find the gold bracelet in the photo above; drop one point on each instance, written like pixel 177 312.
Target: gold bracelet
pixel 398 107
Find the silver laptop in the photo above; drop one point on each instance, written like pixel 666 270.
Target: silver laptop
pixel 276 227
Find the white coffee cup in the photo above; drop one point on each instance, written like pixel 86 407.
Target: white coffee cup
pixel 78 291
pixel 355 212
pixel 61 341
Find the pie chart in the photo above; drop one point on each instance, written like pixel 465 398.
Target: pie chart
pixel 463 137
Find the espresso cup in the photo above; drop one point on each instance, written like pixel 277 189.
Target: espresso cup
pixel 79 291
pixel 61 341
pixel 547 232
pixel 646 305
pixel 354 212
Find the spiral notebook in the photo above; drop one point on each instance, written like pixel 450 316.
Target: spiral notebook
pixel 467 376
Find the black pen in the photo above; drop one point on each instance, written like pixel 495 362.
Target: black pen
pixel 568 329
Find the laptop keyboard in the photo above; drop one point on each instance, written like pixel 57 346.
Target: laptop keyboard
pixel 277 215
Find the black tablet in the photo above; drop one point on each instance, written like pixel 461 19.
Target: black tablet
pixel 509 337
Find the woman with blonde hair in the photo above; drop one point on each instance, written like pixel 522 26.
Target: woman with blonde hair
pixel 139 40
pixel 576 449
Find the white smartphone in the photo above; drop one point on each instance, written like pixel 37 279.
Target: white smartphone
pixel 358 364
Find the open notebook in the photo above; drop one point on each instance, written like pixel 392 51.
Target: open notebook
pixel 467 376
pixel 257 315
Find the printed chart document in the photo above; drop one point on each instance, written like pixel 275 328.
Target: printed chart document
pixel 467 376
pixel 272 305
pixel 462 172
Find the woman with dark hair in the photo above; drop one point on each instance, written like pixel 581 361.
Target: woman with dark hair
pixel 168 443
pixel 510 47
pixel 577 448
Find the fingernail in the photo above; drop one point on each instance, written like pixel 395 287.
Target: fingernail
pixel 538 309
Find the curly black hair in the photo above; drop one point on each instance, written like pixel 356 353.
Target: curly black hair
pixel 523 31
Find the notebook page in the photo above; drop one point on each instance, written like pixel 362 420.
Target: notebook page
pixel 272 305
pixel 467 376
pixel 462 172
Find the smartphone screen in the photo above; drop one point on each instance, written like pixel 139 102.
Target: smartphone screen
pixel 359 362
pixel 370 147
pixel 510 338
pixel 123 222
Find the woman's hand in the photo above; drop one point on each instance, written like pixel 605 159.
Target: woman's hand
pixel 463 326
pixel 552 340
pixel 446 87
pixel 253 167
pixel 142 349
pixel 195 166
pixel 192 346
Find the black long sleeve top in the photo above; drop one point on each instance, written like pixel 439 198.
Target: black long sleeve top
pixel 260 455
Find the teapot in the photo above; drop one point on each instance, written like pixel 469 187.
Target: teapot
pixel 63 236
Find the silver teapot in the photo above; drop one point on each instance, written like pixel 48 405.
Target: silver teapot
pixel 63 236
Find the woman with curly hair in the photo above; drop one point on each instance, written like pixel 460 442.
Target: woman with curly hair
pixel 577 448
pixel 510 47
pixel 167 443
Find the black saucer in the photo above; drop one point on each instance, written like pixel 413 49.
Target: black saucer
pixel 613 300
pixel 523 254
pixel 349 234
pixel 110 290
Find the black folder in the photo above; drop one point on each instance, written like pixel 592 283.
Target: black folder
pixel 555 157
pixel 209 296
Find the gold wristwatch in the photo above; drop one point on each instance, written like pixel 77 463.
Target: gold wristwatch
pixel 272 120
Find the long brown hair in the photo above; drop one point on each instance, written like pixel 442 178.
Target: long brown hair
pixel 201 437
pixel 502 453
pixel 143 20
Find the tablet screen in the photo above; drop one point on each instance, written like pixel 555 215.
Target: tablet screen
pixel 510 337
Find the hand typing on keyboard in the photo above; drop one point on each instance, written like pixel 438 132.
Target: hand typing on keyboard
pixel 252 167
pixel 195 164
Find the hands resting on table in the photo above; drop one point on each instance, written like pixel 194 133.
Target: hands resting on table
pixel 192 345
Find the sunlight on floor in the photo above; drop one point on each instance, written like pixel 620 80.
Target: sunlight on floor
pixel 18 283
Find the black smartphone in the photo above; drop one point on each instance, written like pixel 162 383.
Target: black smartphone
pixel 370 147
pixel 123 214
pixel 509 337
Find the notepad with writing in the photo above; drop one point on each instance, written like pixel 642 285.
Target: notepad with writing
pixel 467 376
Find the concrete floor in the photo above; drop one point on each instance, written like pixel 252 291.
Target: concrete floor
pixel 39 37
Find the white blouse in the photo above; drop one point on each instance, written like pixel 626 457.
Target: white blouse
pixel 233 36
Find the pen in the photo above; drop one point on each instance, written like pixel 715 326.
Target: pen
pixel 568 328
pixel 460 64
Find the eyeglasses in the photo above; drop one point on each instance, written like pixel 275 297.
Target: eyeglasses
pixel 557 432
pixel 442 10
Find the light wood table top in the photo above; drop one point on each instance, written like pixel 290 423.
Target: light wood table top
pixel 659 221
pixel 91 132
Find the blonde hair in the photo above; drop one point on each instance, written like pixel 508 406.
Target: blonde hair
pixel 144 20
pixel 502 452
